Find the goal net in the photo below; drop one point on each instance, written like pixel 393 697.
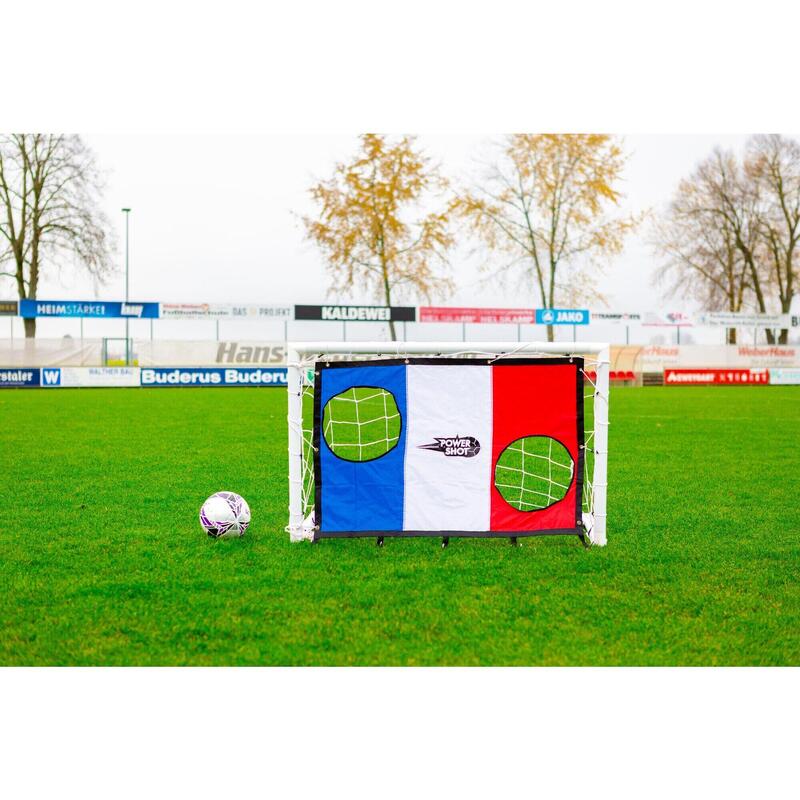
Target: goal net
pixel 447 439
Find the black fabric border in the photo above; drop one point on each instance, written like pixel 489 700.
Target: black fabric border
pixel 320 366
pixel 438 534
pixel 581 432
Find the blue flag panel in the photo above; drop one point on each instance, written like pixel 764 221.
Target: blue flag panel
pixel 368 495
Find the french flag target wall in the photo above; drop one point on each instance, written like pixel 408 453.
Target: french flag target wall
pixel 441 446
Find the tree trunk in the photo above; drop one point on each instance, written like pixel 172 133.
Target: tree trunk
pixel 551 298
pixel 30 327
pixel 786 305
pixel 750 261
pixel 387 293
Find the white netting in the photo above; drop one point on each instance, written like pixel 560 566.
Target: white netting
pixel 533 473
pixel 361 423
pixel 540 479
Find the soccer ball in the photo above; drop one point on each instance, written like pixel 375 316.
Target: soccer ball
pixel 225 514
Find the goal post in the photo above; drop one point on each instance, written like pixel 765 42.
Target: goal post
pixel 373 422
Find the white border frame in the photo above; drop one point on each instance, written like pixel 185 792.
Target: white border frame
pixel 298 351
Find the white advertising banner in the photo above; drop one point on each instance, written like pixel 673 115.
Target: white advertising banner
pixel 210 354
pixel 619 317
pixel 85 377
pixel 225 311
pixel 783 376
pixel 655 358
pixel 741 319
pixel 669 319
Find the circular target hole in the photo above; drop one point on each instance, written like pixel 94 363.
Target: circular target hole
pixel 533 473
pixel 362 423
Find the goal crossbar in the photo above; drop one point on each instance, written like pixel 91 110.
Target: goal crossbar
pixel 302 355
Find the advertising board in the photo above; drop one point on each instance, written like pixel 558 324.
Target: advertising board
pixel 19 377
pixel 783 376
pixel 709 377
pixel 213 376
pixel 562 316
pixel 654 358
pixel 102 309
pixel 356 313
pixel 525 316
pixel 669 319
pixel 734 319
pixel 225 311
pixel 87 377
pixel 618 317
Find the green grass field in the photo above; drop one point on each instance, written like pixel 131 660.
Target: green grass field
pixel 102 560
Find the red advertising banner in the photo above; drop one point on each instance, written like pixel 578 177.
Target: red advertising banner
pixel 707 377
pixel 526 316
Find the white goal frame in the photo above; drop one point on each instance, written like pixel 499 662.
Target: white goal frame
pixel 300 353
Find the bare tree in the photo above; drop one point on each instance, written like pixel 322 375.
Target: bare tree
pixel 752 205
pixel 773 165
pixel 50 191
pixel 709 238
pixel 735 203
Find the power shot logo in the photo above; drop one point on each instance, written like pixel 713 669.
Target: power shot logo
pixel 466 446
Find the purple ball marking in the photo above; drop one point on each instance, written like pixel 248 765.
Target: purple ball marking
pixel 236 505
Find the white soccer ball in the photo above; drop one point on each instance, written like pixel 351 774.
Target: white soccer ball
pixel 225 514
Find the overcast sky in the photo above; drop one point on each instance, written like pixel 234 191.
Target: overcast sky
pixel 212 217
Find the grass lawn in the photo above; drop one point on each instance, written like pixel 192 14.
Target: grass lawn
pixel 102 559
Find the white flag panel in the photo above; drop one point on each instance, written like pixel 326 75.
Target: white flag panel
pixel 446 486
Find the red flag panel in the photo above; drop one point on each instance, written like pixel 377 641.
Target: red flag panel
pixel 536 400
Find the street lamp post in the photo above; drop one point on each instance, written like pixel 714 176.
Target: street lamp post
pixel 127 213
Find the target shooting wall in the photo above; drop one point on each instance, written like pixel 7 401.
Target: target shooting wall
pixel 433 447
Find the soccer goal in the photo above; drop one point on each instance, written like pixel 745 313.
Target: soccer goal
pixel 496 439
